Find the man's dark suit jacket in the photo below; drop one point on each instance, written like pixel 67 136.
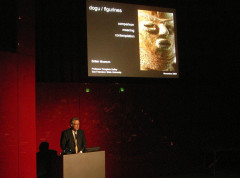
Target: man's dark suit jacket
pixel 67 140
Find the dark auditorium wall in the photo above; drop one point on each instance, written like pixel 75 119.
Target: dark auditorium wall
pixel 149 127
pixel 57 102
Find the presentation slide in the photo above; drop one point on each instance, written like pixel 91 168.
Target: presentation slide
pixel 128 40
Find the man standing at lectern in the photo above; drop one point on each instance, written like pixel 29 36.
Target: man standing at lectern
pixel 73 140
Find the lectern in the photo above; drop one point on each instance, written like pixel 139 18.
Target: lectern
pixel 84 165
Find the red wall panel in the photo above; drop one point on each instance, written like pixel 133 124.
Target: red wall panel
pixel 8 115
pixel 27 121
pixel 56 103
pixel 93 119
pixel 17 116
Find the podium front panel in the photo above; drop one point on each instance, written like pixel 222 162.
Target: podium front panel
pixel 84 165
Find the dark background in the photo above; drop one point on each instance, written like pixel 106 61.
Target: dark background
pixel 172 123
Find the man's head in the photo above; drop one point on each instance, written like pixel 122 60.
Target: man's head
pixel 156 40
pixel 74 123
